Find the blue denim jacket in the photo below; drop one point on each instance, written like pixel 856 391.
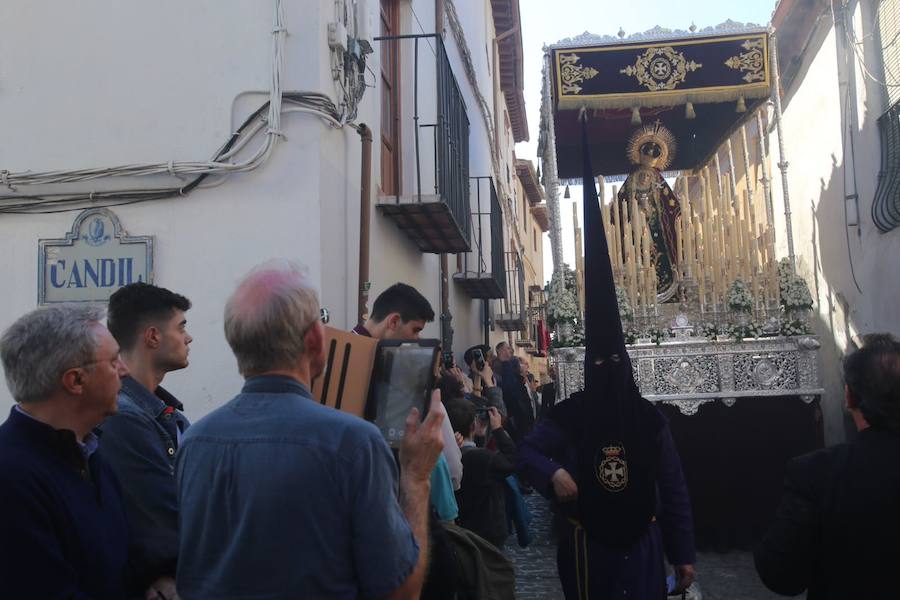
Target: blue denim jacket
pixel 139 443
pixel 281 497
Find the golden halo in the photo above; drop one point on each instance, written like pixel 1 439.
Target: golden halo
pixel 652 133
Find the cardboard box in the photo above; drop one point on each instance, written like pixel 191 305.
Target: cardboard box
pixel 344 384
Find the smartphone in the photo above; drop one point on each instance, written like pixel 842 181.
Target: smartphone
pixel 448 361
pixel 402 379
pixel 483 413
pixel 478 355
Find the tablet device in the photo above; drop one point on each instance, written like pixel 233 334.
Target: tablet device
pixel 402 379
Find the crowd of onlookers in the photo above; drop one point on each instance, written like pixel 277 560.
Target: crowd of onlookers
pixel 107 491
pixel 110 492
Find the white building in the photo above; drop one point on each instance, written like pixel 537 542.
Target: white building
pixel 840 70
pixel 162 87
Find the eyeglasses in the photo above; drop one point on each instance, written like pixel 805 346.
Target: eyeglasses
pixel 324 316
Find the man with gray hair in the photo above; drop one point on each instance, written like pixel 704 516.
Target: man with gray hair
pixel 63 530
pixel 281 497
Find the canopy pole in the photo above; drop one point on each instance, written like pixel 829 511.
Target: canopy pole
pixel 551 178
pixel 783 162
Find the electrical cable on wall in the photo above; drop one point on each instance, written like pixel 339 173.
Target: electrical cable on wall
pixel 267 119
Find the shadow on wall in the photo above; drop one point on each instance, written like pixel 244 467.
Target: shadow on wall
pixel 831 283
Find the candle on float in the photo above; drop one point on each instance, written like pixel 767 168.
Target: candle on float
pixel 686 217
pixel 617 230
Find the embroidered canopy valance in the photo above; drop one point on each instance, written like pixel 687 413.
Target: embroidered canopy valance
pixel 662 73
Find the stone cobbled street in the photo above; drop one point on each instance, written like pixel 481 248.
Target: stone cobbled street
pixel 536 576
pixel 728 576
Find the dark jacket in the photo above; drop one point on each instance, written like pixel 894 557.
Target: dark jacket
pixel 517 399
pixel 63 531
pixel 139 443
pixel 481 497
pixel 836 530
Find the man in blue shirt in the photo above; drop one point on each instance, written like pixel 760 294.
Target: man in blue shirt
pixel 63 530
pixel 139 442
pixel 281 497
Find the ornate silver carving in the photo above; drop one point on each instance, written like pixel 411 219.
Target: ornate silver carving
pixel 689 373
pixel 809 343
pixel 659 33
pixel 685 377
pixel 688 407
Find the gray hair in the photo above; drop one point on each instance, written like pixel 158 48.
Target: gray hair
pixel 268 315
pixel 42 345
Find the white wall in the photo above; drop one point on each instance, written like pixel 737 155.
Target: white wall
pixel 822 171
pixel 100 84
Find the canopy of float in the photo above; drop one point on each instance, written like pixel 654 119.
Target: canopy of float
pixel 722 72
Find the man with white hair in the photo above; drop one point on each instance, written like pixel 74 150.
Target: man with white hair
pixel 281 497
pixel 63 530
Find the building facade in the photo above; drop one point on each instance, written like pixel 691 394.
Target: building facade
pixel 229 135
pixel 840 72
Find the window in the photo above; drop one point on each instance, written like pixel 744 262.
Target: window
pixel 390 99
pixel 534 237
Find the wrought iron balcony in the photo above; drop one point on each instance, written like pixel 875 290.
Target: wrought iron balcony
pixel 511 316
pixel 483 272
pixel 430 204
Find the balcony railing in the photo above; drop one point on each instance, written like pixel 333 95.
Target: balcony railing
pixel 482 274
pixel 511 316
pixel 433 207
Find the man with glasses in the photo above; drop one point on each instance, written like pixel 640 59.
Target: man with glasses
pixel 140 441
pixel 63 528
pixel 281 497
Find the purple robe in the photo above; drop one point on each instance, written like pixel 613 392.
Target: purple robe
pixel 587 568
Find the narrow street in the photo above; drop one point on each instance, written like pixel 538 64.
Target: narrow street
pixel 728 576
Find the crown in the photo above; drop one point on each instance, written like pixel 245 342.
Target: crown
pixel 612 451
pixel 655 132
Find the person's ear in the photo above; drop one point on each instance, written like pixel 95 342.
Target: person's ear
pixel 314 342
pixel 152 337
pixel 73 381
pixel 394 321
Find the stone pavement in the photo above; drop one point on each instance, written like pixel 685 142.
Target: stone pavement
pixel 728 576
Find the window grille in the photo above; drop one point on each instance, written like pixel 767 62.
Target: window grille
pixel 886 205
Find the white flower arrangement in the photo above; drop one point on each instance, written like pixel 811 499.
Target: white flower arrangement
pixel 739 297
pixel 625 311
pixel 657 335
pixel 741 332
pixel 796 295
pixel 709 330
pixel 562 307
pixel 631 335
pixel 793 288
pixel 795 327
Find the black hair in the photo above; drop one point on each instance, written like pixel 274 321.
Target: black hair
pixel 872 375
pixel 133 307
pixel 461 414
pixel 451 387
pixel 403 299
pixel 500 345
